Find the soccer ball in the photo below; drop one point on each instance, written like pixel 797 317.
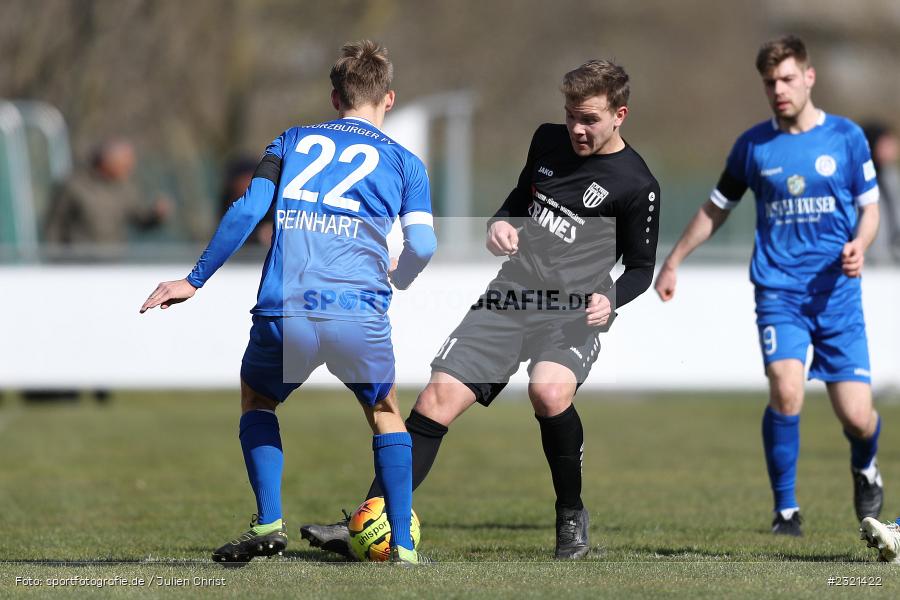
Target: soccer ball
pixel 370 532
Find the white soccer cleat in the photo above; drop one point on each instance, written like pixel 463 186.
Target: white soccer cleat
pixel 884 536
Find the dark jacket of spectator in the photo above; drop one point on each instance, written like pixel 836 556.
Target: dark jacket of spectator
pixel 98 206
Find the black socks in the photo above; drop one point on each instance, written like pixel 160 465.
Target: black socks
pixel 562 437
pixel 563 440
pixel 426 441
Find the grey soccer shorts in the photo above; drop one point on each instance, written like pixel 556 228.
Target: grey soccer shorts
pixel 488 346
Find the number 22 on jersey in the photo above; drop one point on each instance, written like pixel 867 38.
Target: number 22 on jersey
pixel 296 189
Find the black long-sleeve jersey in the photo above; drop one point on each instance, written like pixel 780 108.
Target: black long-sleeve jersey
pixel 579 216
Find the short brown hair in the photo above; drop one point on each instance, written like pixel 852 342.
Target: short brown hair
pixel 597 78
pixel 362 74
pixel 774 52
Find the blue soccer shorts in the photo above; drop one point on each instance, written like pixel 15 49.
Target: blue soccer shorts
pixel 284 351
pixel 832 322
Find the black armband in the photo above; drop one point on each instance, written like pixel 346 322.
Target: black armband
pixel 269 168
pixel 731 187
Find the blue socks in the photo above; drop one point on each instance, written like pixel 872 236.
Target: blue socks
pixel 862 451
pixel 781 442
pixel 261 443
pixel 393 470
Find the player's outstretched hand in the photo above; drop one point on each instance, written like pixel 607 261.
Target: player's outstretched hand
pixel 168 293
pixel 502 239
pixel 598 310
pixel 665 283
pixel 853 257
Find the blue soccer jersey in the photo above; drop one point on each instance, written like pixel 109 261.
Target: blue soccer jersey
pixel 334 190
pixel 808 187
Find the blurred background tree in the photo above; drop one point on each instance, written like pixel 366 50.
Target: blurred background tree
pixel 198 83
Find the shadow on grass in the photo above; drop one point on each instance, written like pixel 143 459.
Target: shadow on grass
pixel 312 555
pixel 676 552
pixel 318 556
pixel 838 558
pixel 728 556
pixel 491 526
pixel 72 562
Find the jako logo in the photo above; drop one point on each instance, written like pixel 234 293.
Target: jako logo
pixel 545 171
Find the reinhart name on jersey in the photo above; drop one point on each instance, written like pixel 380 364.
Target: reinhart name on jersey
pixel 320 223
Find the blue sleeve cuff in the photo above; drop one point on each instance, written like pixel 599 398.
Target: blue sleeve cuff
pixel 419 245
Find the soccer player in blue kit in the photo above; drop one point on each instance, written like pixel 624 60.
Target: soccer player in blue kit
pixel 334 190
pixel 816 214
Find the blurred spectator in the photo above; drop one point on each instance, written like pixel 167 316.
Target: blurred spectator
pixel 238 174
pixel 95 207
pixel 885 148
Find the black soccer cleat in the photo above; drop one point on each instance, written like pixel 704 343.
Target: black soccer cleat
pixel 331 538
pixel 571 533
pixel 257 541
pixel 791 527
pixel 868 493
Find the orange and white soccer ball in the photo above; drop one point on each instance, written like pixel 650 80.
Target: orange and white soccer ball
pixel 370 532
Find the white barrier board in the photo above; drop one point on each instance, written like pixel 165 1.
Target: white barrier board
pixel 65 327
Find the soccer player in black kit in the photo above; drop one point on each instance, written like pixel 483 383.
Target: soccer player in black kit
pixel 584 200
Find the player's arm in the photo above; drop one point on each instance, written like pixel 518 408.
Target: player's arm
pixel 637 237
pixel 705 223
pixel 419 241
pixel 633 282
pixel 502 235
pixel 864 186
pixel 237 224
pixel 853 255
pixel 419 245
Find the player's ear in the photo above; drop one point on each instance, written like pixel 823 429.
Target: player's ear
pixel 336 100
pixel 620 115
pixel 389 100
pixel 810 76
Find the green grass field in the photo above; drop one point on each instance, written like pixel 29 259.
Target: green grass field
pixel 149 484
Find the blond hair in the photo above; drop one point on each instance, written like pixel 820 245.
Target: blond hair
pixel 597 78
pixel 362 74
